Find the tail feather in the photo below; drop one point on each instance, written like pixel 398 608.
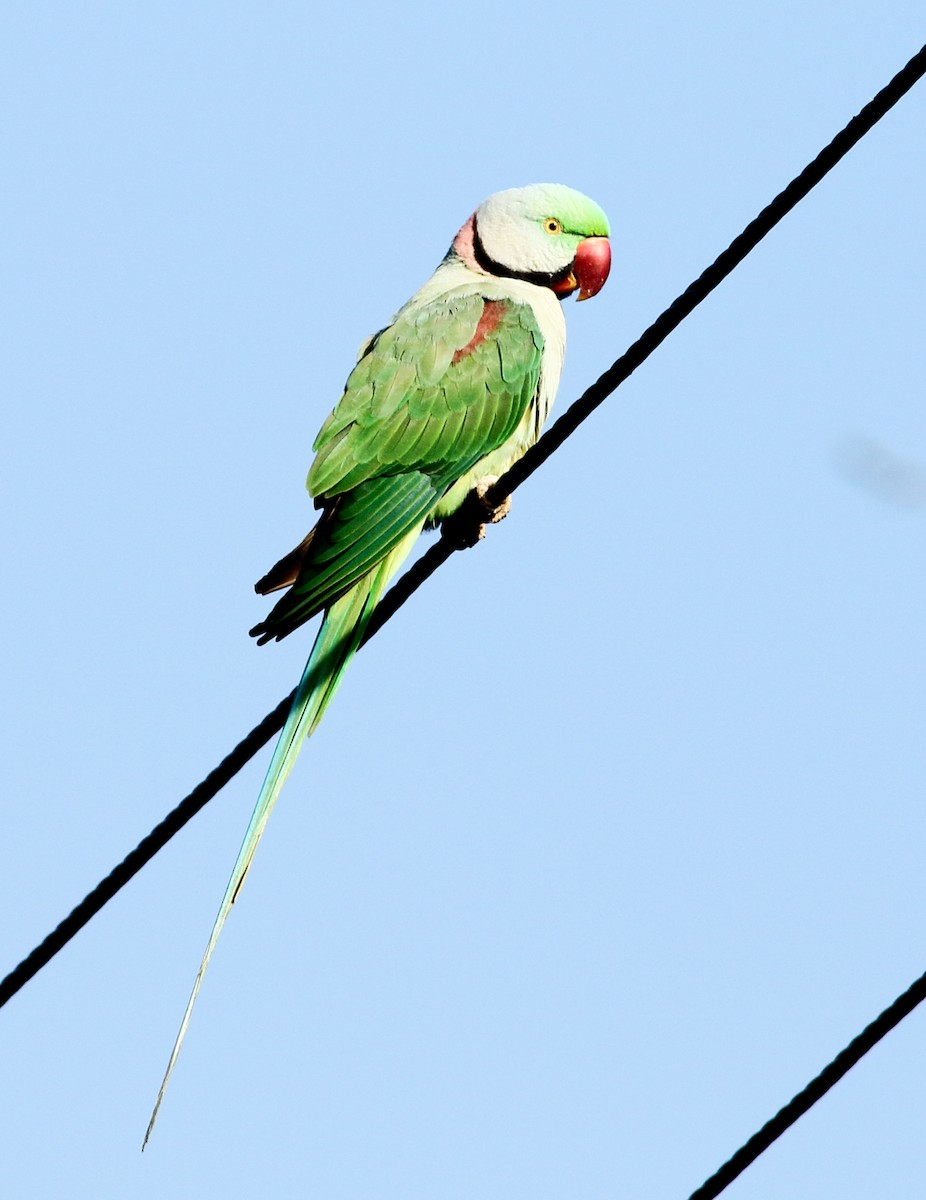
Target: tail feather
pixel 336 644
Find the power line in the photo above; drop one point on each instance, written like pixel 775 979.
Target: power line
pixel 603 387
pixel 666 322
pixel 146 849
pixel 831 1074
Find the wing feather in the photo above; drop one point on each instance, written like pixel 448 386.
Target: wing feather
pixel 442 387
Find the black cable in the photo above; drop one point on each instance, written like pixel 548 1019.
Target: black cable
pixel 146 849
pixel 656 334
pixel 814 1091
pixel 437 554
pixel 734 254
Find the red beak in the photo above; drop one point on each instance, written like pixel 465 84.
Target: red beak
pixel 590 269
pixel 592 266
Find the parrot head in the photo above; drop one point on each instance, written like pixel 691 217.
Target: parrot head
pixel 546 233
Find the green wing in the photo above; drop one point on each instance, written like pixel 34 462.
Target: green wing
pixel 445 385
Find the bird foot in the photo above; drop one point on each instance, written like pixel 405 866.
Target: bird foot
pixel 467 525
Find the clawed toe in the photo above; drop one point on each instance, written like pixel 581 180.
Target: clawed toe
pixel 467 525
pixel 493 512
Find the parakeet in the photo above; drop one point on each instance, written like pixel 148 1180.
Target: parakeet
pixel 441 402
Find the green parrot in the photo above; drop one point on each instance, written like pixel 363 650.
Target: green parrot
pixel 441 402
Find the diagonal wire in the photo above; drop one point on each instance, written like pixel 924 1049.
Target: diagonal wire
pixel 146 849
pixel 438 553
pixel 814 1091
pixel 656 334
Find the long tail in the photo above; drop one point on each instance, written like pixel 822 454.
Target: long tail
pixel 336 644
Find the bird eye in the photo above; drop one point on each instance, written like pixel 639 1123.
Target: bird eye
pixel 551 225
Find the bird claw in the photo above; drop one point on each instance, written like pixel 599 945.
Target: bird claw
pixel 467 525
pixel 493 512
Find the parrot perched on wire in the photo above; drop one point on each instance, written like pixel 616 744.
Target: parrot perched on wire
pixel 441 402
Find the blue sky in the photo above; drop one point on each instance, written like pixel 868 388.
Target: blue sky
pixel 615 835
